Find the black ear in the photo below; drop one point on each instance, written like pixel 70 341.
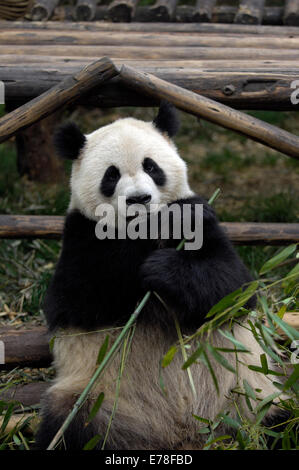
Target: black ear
pixel 167 119
pixel 69 141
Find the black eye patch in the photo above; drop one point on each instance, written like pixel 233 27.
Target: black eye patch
pixel 154 171
pixel 109 181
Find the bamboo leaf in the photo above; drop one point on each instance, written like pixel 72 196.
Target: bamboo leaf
pixel 167 359
pixel 95 407
pixel 221 359
pixel 93 442
pixel 231 338
pixel 294 377
pixel 277 259
pixel 224 303
pixel 289 330
pixel 193 357
pixel 103 350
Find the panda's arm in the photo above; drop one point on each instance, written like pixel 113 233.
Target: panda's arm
pixel 192 281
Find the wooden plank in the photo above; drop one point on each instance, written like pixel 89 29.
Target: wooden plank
pixel 263 87
pixel 250 12
pixel 162 10
pixel 291 13
pixel 43 9
pixel 259 88
pixel 212 28
pixel 203 10
pixel 213 111
pixel 25 347
pixel 64 93
pixel 122 10
pixel 162 53
pixel 241 233
pixel 138 39
pixel 28 394
pixel 85 10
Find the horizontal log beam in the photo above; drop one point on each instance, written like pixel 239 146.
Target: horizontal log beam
pixel 244 233
pixel 257 84
pixel 25 347
pixel 171 40
pixel 28 394
pixel 155 52
pixel 212 111
pixel 210 28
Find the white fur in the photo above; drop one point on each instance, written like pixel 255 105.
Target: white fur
pixel 125 144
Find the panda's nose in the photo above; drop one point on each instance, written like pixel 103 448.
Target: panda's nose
pixel 138 199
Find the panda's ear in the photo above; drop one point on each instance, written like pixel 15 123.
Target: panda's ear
pixel 167 120
pixel 69 141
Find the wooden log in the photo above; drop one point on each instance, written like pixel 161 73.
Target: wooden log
pixel 63 93
pixel 136 52
pixel 265 86
pixel 28 394
pixel 43 9
pixel 122 10
pixel 85 10
pixel 203 107
pixel 150 40
pixel 291 13
pixel 240 233
pixel 250 12
pixel 25 347
pixel 162 10
pixel 208 28
pixel 203 10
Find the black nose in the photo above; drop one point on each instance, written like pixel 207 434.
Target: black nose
pixel 138 199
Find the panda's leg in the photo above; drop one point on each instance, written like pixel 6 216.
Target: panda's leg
pixel 54 413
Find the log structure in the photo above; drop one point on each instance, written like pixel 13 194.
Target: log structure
pixel 240 233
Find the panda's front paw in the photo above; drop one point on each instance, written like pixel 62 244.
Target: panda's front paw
pixel 158 272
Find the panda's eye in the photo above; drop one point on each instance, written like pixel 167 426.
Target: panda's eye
pixel 154 171
pixel 110 180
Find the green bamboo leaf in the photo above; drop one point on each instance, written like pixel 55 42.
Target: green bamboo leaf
pixel 268 400
pixel 95 407
pixel 206 361
pixel 103 350
pixel 217 439
pixel 202 420
pixel 221 359
pixel 264 363
pixel 231 338
pixel 289 330
pixel 51 343
pixel 193 357
pixel 277 259
pixel 224 303
pixel 294 377
pixel 92 443
pixel 249 390
pixel 7 416
pixel 231 422
pixel 167 359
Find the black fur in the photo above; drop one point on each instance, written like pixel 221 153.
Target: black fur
pixel 109 181
pixel 154 171
pixel 69 141
pixel 99 282
pixel 167 119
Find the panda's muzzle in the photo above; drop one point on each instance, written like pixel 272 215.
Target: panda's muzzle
pixel 138 199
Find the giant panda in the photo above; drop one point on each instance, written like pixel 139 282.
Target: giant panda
pixel 98 283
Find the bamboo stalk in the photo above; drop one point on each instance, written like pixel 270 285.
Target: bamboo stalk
pixel 64 93
pixel 213 111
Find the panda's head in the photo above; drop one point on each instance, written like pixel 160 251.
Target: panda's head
pixel 129 158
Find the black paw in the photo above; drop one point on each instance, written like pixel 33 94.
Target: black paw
pixel 158 272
